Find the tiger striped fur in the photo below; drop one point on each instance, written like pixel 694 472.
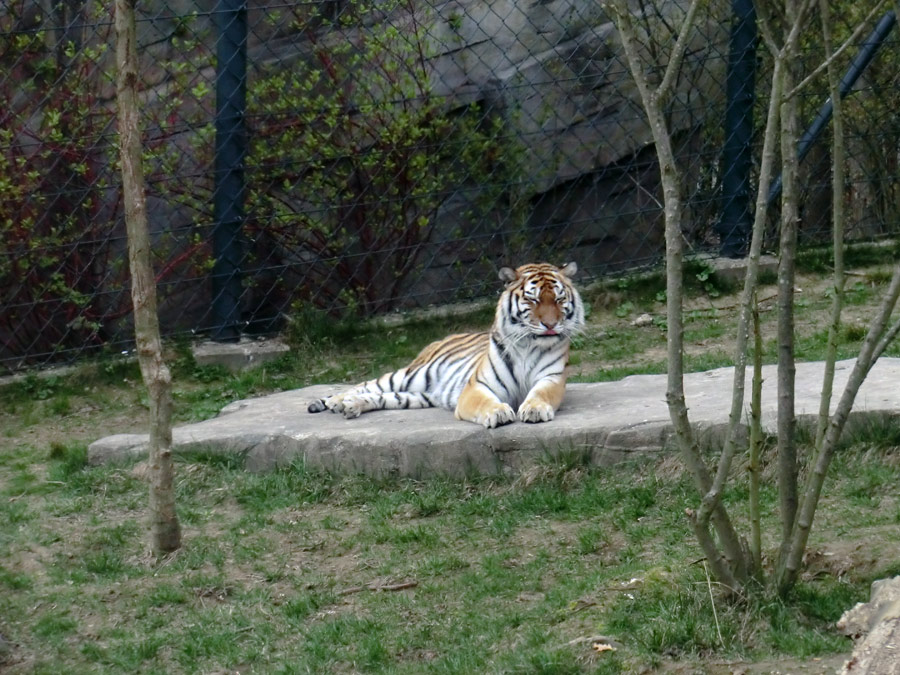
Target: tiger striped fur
pixel 514 371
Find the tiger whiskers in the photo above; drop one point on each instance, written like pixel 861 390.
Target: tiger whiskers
pixel 511 340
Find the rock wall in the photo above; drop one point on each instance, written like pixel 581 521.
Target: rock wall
pixel 556 74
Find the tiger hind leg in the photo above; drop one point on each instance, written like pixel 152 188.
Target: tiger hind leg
pixel 354 404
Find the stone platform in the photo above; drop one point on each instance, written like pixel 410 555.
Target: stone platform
pixel 607 421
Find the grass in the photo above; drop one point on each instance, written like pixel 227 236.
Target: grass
pixel 502 574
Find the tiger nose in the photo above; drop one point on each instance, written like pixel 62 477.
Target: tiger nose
pixel 549 324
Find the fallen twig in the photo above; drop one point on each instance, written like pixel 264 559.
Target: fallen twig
pixel 735 305
pixel 582 604
pixel 712 602
pixel 375 586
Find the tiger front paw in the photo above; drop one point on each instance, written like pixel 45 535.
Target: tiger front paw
pixel 497 416
pixel 533 410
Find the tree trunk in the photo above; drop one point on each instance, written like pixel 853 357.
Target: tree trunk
pixel 837 215
pixel 732 560
pixel 164 528
pixel 787 447
pixel 729 565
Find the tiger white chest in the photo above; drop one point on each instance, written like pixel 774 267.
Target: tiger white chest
pixel 527 364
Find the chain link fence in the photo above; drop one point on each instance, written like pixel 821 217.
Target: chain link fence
pixel 355 157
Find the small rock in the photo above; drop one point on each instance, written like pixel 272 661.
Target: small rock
pixel 643 320
pixel 884 603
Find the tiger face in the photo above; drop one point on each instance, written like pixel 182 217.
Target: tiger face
pixel 541 303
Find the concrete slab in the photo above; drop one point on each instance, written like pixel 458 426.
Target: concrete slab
pixel 607 421
pixel 734 269
pixel 236 356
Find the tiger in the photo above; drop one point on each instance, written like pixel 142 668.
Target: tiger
pixel 516 370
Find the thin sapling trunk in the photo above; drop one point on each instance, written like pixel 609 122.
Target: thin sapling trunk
pixel 729 565
pixel 837 216
pixel 164 528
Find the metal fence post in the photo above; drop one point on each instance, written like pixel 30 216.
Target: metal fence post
pixel 735 221
pixel 231 150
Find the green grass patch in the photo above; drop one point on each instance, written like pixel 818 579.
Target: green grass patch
pixel 283 573
pixel 821 259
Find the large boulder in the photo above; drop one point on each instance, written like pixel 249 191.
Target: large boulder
pixel 557 72
pixel 583 157
pixel 875 625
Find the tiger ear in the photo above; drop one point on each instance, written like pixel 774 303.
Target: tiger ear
pixel 507 275
pixel 569 269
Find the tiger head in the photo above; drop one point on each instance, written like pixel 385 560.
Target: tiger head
pixel 540 303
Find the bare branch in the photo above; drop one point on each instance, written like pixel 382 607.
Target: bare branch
pixel 789 567
pixel 746 302
pixel 678 51
pixel 885 342
pixel 854 36
pixel 644 191
pixel 721 570
pixel 756 445
pixel 790 43
pixel 375 586
pixel 625 24
pixel 769 35
pixel 790 215
pixel 876 341
pixel 837 214
pixel 765 28
pixel 675 399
